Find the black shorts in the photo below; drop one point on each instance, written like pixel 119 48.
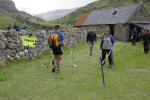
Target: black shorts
pixel 91 43
pixel 57 51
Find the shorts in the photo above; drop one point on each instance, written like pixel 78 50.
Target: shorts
pixel 91 43
pixel 57 51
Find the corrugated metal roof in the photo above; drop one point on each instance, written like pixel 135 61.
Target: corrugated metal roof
pixel 111 15
pixel 144 25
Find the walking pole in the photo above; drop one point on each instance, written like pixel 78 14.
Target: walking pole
pixel 73 60
pixel 49 61
pixel 102 67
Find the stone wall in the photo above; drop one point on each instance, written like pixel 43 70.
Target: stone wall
pixel 122 32
pixel 11 47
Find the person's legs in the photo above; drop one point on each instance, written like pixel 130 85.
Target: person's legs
pixel 103 56
pixel 54 63
pixel 91 47
pixel 110 58
pixel 58 62
pixel 146 46
pixel 133 42
pixel 59 58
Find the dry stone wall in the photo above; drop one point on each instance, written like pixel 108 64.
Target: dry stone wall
pixel 11 47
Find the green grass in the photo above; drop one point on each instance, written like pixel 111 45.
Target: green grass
pixel 5 21
pixel 128 80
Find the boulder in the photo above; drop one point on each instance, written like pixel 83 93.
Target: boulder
pixel 2 44
pixel 21 53
pixel 1 36
pixel 9 57
pixel 17 57
pixel 11 45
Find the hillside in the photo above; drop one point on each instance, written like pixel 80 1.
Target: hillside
pixel 53 15
pixel 10 15
pixel 8 8
pixel 128 80
pixel 71 18
pixel 8 5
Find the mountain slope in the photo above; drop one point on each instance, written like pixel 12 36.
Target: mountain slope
pixel 73 17
pixel 8 5
pixel 10 15
pixel 8 8
pixel 53 15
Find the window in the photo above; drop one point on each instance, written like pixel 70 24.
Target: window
pixel 115 12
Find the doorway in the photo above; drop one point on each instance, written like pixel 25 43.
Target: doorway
pixel 112 31
pixel 138 29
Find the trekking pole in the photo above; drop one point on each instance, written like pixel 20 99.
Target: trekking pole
pixel 102 67
pixel 73 59
pixel 29 53
pixel 49 61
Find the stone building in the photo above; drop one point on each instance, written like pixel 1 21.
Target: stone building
pixel 120 20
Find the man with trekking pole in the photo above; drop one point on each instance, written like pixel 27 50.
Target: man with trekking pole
pixel 107 51
pixel 56 43
pixel 107 47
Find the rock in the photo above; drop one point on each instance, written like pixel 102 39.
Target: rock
pixel 9 52
pixel 2 44
pixel 1 36
pixel 18 57
pixel 9 57
pixel 21 53
pixel 11 45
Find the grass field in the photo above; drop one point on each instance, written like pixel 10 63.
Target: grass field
pixel 128 80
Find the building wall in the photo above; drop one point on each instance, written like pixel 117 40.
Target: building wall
pixel 121 30
pixel 98 29
pixel 140 15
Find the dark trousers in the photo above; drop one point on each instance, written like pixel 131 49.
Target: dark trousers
pixel 146 45
pixel 133 42
pixel 110 57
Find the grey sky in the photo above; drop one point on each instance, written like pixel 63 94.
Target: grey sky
pixel 39 6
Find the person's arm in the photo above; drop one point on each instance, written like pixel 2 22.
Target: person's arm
pixel 63 44
pixel 112 39
pixel 62 40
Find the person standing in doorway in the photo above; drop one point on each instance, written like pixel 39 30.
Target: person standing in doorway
pixel 134 35
pixel 146 40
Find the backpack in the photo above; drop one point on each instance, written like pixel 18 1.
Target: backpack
pixel 55 40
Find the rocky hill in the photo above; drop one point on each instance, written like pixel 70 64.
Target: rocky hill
pixel 53 15
pixel 8 8
pixel 10 15
pixel 73 17
pixel 8 5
